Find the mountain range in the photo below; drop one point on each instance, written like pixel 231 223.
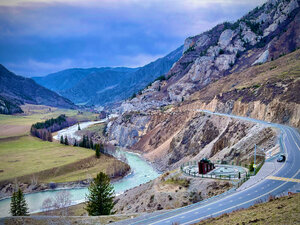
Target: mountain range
pixel 17 90
pixel 100 86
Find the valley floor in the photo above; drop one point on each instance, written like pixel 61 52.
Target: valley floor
pixel 33 163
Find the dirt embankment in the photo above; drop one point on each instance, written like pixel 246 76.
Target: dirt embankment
pixel 170 190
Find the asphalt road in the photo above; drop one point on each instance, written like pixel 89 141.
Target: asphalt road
pixel 242 199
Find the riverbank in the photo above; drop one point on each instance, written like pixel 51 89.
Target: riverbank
pixel 7 190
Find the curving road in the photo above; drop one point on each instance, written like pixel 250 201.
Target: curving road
pixel 286 178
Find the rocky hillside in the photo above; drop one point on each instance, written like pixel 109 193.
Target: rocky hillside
pixel 100 86
pixel 170 190
pixel 16 90
pixel 268 92
pixel 263 35
pixel 172 137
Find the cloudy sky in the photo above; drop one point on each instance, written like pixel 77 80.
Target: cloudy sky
pixel 38 37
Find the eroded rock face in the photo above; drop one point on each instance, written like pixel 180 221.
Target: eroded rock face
pixel 225 38
pixel 262 58
pixel 126 130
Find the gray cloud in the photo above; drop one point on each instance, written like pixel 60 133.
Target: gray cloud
pixel 39 37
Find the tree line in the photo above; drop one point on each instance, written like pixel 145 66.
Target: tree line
pixel 43 130
pixel 85 142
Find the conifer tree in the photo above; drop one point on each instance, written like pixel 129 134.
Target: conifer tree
pixel 66 140
pixel 79 127
pixel 87 143
pixel 83 141
pixel 97 147
pixel 18 205
pixel 75 143
pixel 91 144
pixel 100 200
pixel 61 139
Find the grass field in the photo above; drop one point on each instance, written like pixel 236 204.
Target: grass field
pixel 28 155
pixel 15 125
pixel 23 156
pixel 285 210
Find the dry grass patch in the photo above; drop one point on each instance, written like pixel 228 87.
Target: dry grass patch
pixel 285 210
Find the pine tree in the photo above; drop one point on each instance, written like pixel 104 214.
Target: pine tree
pixel 18 205
pixel 75 143
pixel 66 140
pixel 87 145
pixel 61 139
pixel 83 142
pixel 97 147
pixel 79 127
pixel 100 200
pixel 91 144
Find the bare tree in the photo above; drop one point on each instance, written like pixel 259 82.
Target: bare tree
pixel 34 180
pixel 59 202
pixel 47 205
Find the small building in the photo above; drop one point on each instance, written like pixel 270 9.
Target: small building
pixel 205 166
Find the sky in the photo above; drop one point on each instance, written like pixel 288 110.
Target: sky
pixel 38 37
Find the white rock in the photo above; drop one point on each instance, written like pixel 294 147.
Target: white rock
pixel 262 58
pixel 201 69
pixel 270 29
pixel 249 37
pixel 226 37
pixel 213 51
pixel 202 40
pixel 187 44
pixel 223 61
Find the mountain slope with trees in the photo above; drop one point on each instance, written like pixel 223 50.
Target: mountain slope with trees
pixel 16 90
pixel 100 86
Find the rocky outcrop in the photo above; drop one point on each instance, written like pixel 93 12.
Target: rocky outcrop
pixel 126 130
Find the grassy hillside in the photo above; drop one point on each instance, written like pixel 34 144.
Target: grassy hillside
pixel 23 156
pixel 285 210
